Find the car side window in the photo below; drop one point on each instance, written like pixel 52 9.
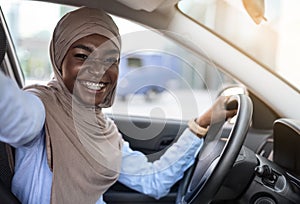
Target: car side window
pixel 157 77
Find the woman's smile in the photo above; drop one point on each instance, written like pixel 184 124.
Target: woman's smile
pixel 94 86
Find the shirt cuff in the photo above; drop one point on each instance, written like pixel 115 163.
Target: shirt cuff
pixel 193 140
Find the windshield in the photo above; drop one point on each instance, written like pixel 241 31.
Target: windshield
pixel 273 42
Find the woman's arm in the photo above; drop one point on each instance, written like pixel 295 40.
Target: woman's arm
pixel 22 114
pixel 155 179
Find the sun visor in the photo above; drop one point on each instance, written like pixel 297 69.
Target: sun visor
pixel 142 4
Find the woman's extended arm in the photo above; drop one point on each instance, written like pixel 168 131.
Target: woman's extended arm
pixel 22 114
pixel 155 179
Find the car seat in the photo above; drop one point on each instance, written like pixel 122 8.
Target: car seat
pixel 6 151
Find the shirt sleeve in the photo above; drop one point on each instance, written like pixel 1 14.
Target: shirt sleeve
pixel 22 114
pixel 156 178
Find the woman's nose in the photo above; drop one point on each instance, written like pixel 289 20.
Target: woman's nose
pixel 97 69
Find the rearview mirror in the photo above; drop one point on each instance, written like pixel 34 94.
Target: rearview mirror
pixel 255 9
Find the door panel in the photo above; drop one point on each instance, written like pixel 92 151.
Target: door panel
pixel 148 135
pixel 157 135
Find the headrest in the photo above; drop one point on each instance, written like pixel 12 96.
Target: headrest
pixel 3 43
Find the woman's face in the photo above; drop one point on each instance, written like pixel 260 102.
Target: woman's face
pixel 90 68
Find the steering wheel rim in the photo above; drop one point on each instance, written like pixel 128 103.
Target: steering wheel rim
pixel 205 177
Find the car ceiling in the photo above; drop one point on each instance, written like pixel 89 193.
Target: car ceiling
pixel 146 11
pixel 119 5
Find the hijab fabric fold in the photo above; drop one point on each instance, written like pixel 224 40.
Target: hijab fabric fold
pixel 83 146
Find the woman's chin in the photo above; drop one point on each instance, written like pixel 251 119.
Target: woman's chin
pixel 91 98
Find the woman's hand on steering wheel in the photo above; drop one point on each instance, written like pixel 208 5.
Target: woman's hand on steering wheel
pixel 222 109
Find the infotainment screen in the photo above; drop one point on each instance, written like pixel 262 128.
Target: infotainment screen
pixel 287 145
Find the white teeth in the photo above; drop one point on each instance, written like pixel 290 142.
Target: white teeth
pixel 93 85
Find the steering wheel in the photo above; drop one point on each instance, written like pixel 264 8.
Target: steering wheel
pixel 216 157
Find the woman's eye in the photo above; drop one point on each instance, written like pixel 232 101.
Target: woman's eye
pixel 81 56
pixel 110 60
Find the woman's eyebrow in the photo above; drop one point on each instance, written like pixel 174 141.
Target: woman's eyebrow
pixel 112 51
pixel 89 49
pixel 84 47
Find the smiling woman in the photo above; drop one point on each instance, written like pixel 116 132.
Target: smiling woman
pixel 90 69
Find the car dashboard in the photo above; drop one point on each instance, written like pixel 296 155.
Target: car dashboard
pixel 274 169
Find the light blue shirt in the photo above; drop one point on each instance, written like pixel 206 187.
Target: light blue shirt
pixel 22 125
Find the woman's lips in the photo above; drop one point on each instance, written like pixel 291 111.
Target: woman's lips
pixel 94 86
